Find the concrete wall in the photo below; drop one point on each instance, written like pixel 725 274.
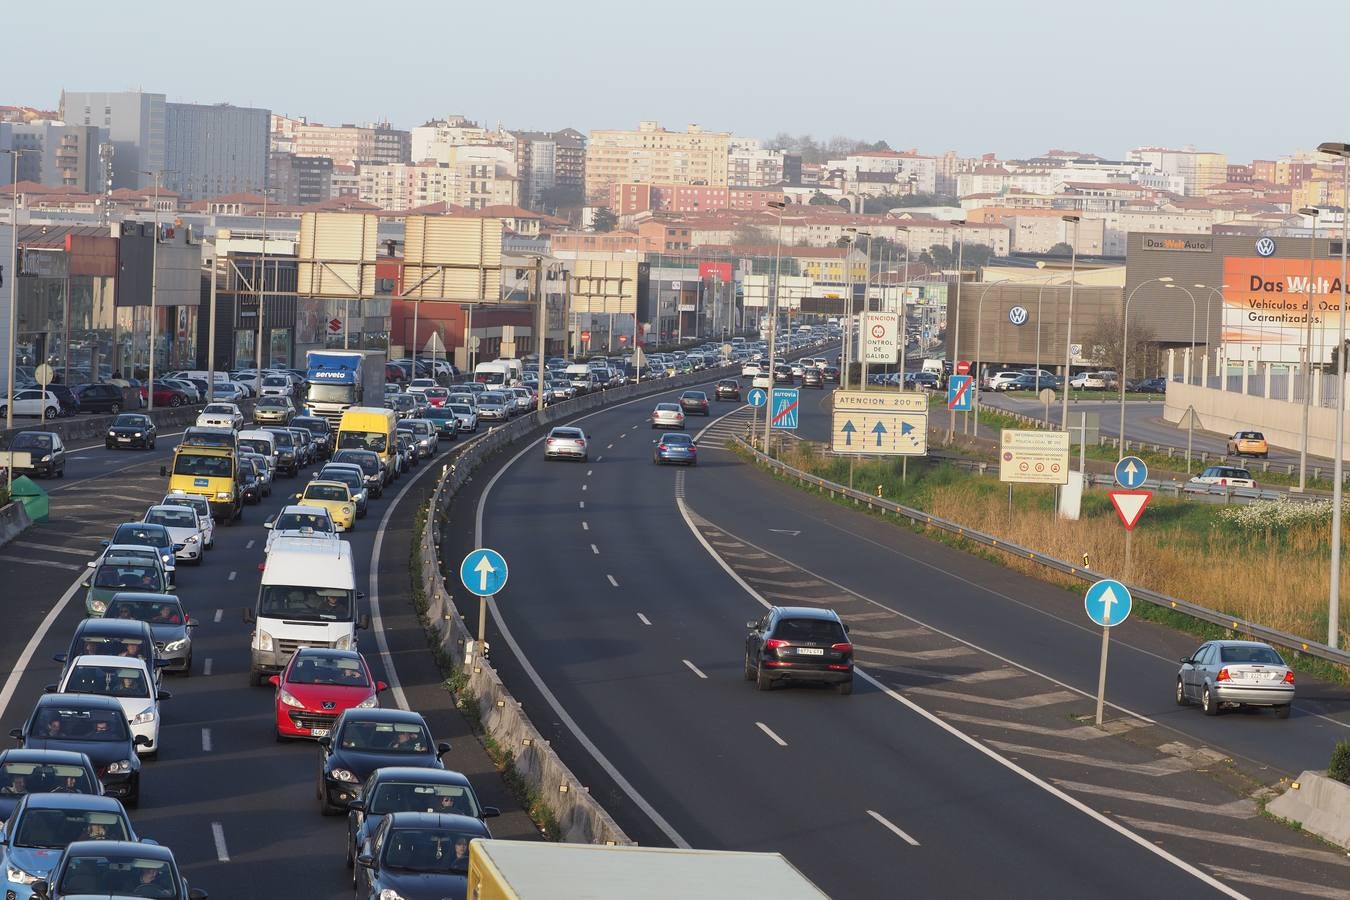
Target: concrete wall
pixel 13 520
pixel 1280 421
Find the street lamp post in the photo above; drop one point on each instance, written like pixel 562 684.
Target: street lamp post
pixel 262 300
pixel 1068 322
pixel 867 307
pixel 956 335
pixel 1125 353
pixel 1040 293
pixel 979 358
pixel 13 299
pixel 1307 351
pixel 779 205
pixel 1334 603
pixel 904 295
pixel 154 298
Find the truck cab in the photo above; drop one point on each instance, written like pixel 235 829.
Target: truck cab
pixel 335 381
pixel 370 428
pixel 307 598
pixel 212 473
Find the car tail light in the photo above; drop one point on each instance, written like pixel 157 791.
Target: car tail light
pixel 1223 675
pixel 775 644
pixel 842 648
pixel 550 440
pixel 840 667
pixel 1289 677
pixel 662 447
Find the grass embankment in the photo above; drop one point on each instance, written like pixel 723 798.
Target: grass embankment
pixel 1268 563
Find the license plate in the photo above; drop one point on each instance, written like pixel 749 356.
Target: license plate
pixel 124 440
pixel 320 732
pixel 810 651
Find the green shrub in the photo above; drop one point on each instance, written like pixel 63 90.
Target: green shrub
pixel 1339 768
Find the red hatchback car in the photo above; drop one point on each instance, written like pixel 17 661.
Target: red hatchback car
pixel 317 686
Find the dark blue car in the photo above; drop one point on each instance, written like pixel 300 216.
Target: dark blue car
pixel 675 447
pixel 416 854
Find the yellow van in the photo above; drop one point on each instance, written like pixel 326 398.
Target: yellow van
pixel 370 428
pixel 212 473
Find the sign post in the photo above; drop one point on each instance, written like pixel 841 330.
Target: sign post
pixel 1108 604
pixel 1190 421
pixel 1129 506
pixel 483 572
pixel 756 398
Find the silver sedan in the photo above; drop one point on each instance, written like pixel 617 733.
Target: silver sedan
pixel 1236 673
pixel 668 416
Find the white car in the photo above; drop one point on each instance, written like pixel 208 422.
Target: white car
pixel 301 521
pixel 127 680
pixel 1229 476
pixel 419 385
pixel 749 370
pixel 189 544
pixel 201 507
pixel 34 402
pixel 762 381
pixel 464 413
pixel 276 386
pixel 220 415
pixel 999 380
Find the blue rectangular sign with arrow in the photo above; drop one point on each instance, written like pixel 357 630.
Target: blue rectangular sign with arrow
pixel 879 433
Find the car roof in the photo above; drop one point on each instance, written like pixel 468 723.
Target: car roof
pixel 100 659
pixel 142 597
pixel 303 509
pixel 131 849
pixel 328 653
pixel 64 757
pixel 437 820
pixel 808 612
pixel 117 627
pixel 75 801
pixel 1238 643
pixel 91 701
pixel 404 716
pixel 422 774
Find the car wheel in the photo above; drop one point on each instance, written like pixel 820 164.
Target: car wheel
pixel 844 688
pixel 175 401
pixel 762 680
pixel 50 413
pixel 114 408
pixel 326 808
pixel 1181 694
pixel 1208 703
pixel 749 669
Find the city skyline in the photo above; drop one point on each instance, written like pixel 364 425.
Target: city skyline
pixel 984 89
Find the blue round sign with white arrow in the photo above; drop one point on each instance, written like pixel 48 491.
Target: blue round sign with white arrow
pixel 757 397
pixel 483 572
pixel 1108 602
pixel 1131 472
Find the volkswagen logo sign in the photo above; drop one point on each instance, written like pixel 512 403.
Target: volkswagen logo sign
pixel 1265 247
pixel 1018 315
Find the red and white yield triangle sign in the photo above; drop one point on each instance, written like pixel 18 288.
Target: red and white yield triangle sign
pixel 1130 506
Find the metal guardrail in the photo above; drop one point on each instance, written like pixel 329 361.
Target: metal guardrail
pixel 1195 611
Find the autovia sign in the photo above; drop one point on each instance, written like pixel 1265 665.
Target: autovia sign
pixel 1184 244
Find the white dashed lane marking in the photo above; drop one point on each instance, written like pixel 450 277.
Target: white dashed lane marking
pixel 612 581
pixel 695 669
pixel 769 731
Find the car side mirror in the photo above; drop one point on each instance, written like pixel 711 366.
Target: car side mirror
pixel 1187 660
pixel 442 748
pixel 171 589
pixel 360 595
pixel 192 623
pixel 846 628
pixel 143 740
pixel 325 742
pixel 274 681
pixel 752 625
pixel 267 525
pixel 164 695
pixel 197 894
pixel 296 496
pixel 249 615
pixel 381 686
pixel 59 657
pixel 365 861
pixel 357 806
pixel 363 622
pixel 489 812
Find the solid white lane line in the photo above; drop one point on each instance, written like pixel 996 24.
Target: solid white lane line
pixel 612 582
pixel 595 550
pixel 769 731
pixel 1132 836
pixel 219 614
pixel 585 527
pixel 231 576
pixel 20 665
pixel 599 459
pixel 218 832
pixel 887 823
pixel 51 549
pixel 206 740
pixel 249 545
pixel 643 619
pixel 695 669
pixel 206 666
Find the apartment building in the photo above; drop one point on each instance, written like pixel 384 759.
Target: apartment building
pixel 64 156
pixel 751 164
pixel 131 121
pixel 214 150
pixel 346 145
pixel 1200 170
pixel 636 198
pixel 300 180
pixel 433 139
pixel 474 178
pixel 550 165
pixel 653 154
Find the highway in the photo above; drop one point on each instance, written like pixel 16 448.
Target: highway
pixel 238 809
pixel 634 629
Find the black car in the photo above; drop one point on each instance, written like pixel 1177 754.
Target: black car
pixel 1151 386
pixel 94 725
pixel 371 468
pixel 813 377
pixel 447 424
pixel 251 486
pixel 694 403
pixel 363 740
pixel 25 772
pixel 728 389
pixel 929 381
pixel 100 398
pixel 782 374
pixel 113 637
pixel 319 431
pixel 288 452
pixel 116 869
pixel 46 453
pixel 131 430
pixel 830 374
pixel 69 400
pixel 416 854
pixel 396 789
pixel 799 643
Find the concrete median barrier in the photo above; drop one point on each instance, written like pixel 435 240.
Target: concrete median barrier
pixel 1318 803
pixel 13 520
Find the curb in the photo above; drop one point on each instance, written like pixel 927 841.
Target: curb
pixel 1319 804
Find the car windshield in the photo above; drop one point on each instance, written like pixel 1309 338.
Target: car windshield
pixel 55 828
pixel 283 439
pixel 318 668
pixel 326 492
pixel 172 518
pixel 427 850
pixel 156 612
pixel 374 441
pixel 385 737
pixel 197 504
pixel 310 424
pixel 1243 653
pixel 812 630
pixel 402 796
pixel 257 445
pixel 144 537
pixel 350 479
pixel 109 680
pixel 129 422
pixel 330 393
pixel 202 466
pixel 276 381
pixel 218 408
pixel 120 876
pixel 693 395
pixel 109 645
pixel 28 440
pixel 312 604
pixel 437 393
pixel 80 724
pixel 299 521
pixel 571 433
pixel 19 778
pixel 128 575
pixel 274 402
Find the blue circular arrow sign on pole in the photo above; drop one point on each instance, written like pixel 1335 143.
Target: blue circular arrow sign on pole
pixel 757 397
pixel 1108 602
pixel 483 572
pixel 1131 472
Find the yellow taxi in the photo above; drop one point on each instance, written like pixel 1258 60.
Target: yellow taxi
pixel 1248 443
pixel 334 496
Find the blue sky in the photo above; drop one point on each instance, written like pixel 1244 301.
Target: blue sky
pixel 1004 77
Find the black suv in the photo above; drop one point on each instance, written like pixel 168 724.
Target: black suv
pixel 799 643
pixel 96 398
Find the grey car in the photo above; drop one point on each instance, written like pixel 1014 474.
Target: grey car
pixel 1236 673
pixel 170 625
pixel 424 435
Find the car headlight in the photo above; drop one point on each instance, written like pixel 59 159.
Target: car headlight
pixel 45 457
pixel 138 434
pixel 343 643
pixel 121 767
pixel 342 775
pixel 287 454
pixel 99 606
pixel 262 640
pixel 222 495
pixel 390 894
pixel 144 717
pixel 175 646
pixel 370 702
pixel 288 698
pixel 19 876
pixel 110 434
pixel 191 539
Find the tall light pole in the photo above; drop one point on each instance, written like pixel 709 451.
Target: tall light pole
pixel 779 205
pixel 154 298
pixel 1040 293
pixel 262 301
pixel 1068 321
pixel 846 353
pixel 1307 350
pixel 13 293
pixel 904 295
pixel 1334 605
pixel 979 359
pixel 956 335
pixel 1125 355
pixel 867 307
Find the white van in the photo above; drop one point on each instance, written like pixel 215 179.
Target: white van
pixel 307 598
pixel 264 443
pixel 493 374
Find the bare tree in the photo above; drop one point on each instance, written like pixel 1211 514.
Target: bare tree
pixel 1106 344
